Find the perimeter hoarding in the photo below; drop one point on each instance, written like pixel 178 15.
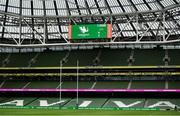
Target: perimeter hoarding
pixel 90 31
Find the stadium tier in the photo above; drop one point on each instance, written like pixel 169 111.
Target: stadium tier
pixel 91 84
pixel 173 84
pixel 47 59
pixel 96 57
pixel 149 57
pixel 13 84
pixel 50 100
pixel 98 102
pixel 112 102
pixel 116 85
pixel 118 58
pixel 18 60
pixel 174 57
pixel 85 58
pixel 148 84
pixel 91 102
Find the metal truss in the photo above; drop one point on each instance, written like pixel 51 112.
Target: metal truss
pixel 148 27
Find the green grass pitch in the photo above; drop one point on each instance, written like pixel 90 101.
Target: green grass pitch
pixel 50 112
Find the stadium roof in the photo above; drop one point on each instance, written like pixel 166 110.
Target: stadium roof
pixel 80 7
pixel 45 22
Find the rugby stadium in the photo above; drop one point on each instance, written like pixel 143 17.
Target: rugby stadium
pixel 89 57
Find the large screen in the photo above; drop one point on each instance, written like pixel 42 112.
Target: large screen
pixel 90 31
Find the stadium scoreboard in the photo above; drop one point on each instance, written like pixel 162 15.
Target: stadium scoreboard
pixel 90 31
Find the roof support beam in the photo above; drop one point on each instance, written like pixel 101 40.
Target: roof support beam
pixel 93 44
pixel 141 18
pixel 159 3
pixel 67 7
pixel 126 16
pixel 32 13
pixel 175 2
pixel 97 5
pixel 4 21
pixel 9 33
pixel 20 22
pixel 79 11
pixel 34 31
pixel 59 27
pixel 113 17
pixel 45 23
pixel 88 8
pixel 77 7
pixel 156 16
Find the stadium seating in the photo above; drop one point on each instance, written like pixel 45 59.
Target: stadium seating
pixel 153 101
pixel 149 57
pixel 174 57
pixel 100 57
pixel 82 85
pixel 49 59
pixel 20 59
pixel 14 84
pixel 115 57
pixel 173 84
pixel 97 102
pixel 148 85
pixel 26 100
pixel 92 102
pixel 43 84
pixel 116 85
pixel 4 59
pixel 1 83
pixel 93 85
pixel 50 100
pixel 2 99
pixel 85 57
pixel 111 103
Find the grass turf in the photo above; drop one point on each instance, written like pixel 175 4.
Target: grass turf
pixel 48 112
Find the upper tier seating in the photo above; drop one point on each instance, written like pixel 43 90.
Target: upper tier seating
pixel 95 57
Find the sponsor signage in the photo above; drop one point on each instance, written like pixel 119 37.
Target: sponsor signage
pixel 90 31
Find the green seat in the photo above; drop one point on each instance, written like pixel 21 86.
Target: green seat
pixel 174 56
pixel 3 56
pixel 26 100
pixel 119 57
pixel 111 85
pixel 149 57
pixel 151 102
pixel 14 84
pixel 148 85
pixel 43 84
pixel 174 84
pixel 50 101
pixel 3 99
pixel 85 57
pixel 112 102
pixel 49 59
pixel 73 85
pixel 96 102
pixel 20 59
